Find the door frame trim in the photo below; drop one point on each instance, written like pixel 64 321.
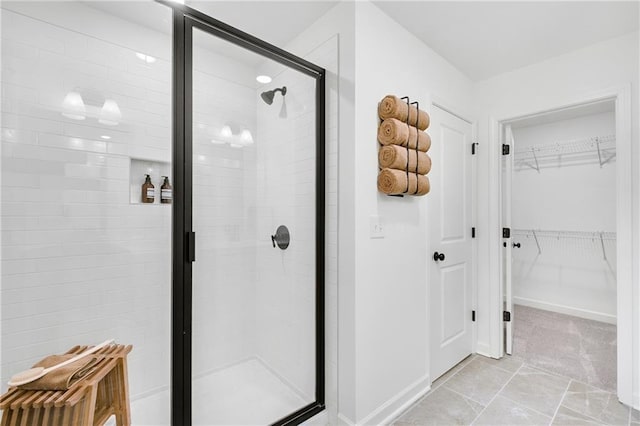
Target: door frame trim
pixel 627 320
pixel 184 20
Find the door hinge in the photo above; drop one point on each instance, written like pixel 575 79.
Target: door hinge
pixel 473 316
pixel 506 316
pixel 506 232
pixel 473 148
pixel 191 246
pixel 473 232
pixel 505 149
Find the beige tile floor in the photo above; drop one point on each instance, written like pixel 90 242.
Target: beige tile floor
pixel 485 391
pixel 582 349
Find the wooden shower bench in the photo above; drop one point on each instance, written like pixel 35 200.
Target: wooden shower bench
pixel 90 402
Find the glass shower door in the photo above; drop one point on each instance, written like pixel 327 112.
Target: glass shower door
pixel 256 315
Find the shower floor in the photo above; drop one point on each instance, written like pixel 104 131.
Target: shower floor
pixel 244 394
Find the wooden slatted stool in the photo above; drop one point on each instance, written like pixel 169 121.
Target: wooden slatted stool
pixel 90 402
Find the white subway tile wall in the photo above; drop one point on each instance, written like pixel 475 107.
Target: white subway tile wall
pixel 285 287
pixel 254 302
pixel 223 193
pixel 80 263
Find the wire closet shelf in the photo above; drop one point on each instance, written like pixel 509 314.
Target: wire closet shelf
pixel 599 240
pixel 595 149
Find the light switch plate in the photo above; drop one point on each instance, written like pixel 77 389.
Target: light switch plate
pixel 376 229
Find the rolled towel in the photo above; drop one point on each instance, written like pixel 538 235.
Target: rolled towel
pixel 64 377
pixel 394 107
pixel 394 182
pixel 393 131
pixel 395 157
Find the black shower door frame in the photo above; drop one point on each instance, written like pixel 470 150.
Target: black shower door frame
pixel 185 19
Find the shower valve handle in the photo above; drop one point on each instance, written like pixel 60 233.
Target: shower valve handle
pixel 281 238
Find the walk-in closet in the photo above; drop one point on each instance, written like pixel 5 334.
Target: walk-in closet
pixel 560 187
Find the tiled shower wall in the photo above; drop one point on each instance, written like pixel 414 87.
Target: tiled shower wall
pixel 285 290
pixel 224 192
pixel 80 263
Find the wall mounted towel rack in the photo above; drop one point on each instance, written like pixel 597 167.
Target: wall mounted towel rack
pixel 598 149
pixel 388 180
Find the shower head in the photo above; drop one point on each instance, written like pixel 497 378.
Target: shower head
pixel 267 96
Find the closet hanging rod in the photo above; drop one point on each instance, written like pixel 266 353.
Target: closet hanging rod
pixel 559 234
pixel 597 148
pixel 596 237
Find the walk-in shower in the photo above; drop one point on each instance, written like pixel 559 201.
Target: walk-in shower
pixel 226 324
pixel 256 298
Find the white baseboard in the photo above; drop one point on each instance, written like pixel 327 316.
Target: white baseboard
pixel 344 421
pixel 390 410
pixel 484 349
pixel 568 310
pixel 320 419
pixel 148 393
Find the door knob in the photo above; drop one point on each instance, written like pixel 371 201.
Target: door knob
pixel 438 256
pixel 516 245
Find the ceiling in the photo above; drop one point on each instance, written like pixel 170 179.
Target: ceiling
pixel 277 22
pixel 480 38
pixel 484 39
pixel 269 20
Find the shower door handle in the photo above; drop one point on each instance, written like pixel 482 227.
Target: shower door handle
pixel 191 246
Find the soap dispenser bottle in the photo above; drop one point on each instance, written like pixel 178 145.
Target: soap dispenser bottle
pixel 166 191
pixel 148 190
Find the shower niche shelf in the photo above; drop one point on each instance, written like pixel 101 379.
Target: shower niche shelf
pixel 138 168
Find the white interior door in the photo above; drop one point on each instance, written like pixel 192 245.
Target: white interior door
pixel 450 238
pixel 507 164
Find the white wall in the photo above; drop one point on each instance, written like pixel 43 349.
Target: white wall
pixel 570 275
pixel 330 43
pixel 80 263
pixel 560 81
pixel 390 349
pixel 378 360
pixel 566 194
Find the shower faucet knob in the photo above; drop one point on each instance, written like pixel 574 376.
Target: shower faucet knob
pixel 281 238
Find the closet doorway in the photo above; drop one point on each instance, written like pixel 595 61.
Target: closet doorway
pixel 559 219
